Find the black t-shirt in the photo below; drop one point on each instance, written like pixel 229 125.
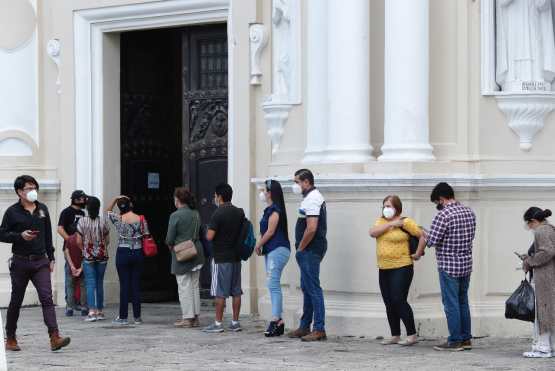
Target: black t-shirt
pixel 226 222
pixel 69 218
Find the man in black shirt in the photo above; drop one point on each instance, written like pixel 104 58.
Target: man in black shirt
pixel 223 231
pixel 26 225
pixel 67 226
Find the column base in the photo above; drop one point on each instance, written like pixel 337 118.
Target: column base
pixel 407 152
pixel 314 156
pixel 348 154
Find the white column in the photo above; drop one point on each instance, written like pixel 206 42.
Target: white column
pixel 407 46
pixel 317 81
pixel 349 81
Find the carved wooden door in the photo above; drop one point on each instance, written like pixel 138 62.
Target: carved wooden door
pixel 205 118
pixel 151 141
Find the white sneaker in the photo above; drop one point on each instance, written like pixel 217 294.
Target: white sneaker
pixel 537 354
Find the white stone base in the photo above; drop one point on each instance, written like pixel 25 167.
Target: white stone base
pixel 407 152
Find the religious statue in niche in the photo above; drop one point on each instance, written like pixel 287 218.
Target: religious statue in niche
pixel 525 45
pixel 281 19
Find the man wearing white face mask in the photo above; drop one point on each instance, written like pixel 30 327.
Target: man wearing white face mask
pixel 311 244
pixel 26 225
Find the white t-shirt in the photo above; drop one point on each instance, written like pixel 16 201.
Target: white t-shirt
pixel 311 204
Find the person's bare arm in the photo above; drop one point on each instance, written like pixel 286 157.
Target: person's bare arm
pixel 309 233
pixel 70 262
pixel 210 234
pixel 273 222
pixel 421 246
pixel 378 230
pixel 62 232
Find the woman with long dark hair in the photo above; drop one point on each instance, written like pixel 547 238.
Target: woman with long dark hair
pixel 129 257
pixel 542 261
pixel 274 245
pixel 184 226
pixel 92 238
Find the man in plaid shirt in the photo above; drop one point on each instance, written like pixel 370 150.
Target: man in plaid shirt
pixel 452 233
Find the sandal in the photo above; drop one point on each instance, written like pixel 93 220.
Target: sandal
pixel 407 343
pixel 389 342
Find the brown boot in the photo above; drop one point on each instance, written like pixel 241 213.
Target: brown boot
pixel 298 333
pixel 315 336
pixel 11 344
pixel 57 342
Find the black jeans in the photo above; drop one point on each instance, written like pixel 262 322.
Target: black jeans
pixel 395 285
pixel 129 264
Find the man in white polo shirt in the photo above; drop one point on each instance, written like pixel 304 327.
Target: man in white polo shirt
pixel 311 244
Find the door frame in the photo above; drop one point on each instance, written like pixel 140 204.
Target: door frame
pixel 96 44
pixel 91 30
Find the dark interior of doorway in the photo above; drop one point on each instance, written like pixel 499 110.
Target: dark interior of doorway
pixel 173 131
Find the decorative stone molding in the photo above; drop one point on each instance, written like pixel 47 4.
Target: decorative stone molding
pixel 356 183
pixel 286 67
pixel 526 114
pixel 526 104
pixel 276 116
pixel 258 37
pixel 53 48
pixel 89 27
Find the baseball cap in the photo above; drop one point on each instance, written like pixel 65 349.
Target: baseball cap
pixel 78 194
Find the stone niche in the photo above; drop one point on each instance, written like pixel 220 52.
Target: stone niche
pixel 518 62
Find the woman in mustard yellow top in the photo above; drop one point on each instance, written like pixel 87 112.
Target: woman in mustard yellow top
pixel 391 232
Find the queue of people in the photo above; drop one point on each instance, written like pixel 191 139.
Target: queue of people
pixel 400 242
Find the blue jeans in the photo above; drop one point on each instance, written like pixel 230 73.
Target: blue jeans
pixel 69 286
pixel 275 262
pixel 94 281
pixel 454 294
pixel 313 300
pixel 129 263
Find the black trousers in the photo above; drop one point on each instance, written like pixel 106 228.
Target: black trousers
pixel 395 285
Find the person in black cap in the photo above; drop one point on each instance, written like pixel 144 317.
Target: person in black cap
pixel 67 226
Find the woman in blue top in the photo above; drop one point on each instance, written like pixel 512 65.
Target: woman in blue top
pixel 274 245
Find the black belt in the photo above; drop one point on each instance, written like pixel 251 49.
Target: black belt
pixel 29 257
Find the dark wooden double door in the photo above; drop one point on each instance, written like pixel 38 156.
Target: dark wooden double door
pixel 173 131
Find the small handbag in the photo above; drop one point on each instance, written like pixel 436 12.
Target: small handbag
pixel 149 245
pixel 185 251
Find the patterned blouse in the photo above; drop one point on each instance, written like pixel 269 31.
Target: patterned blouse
pixel 94 233
pixel 129 235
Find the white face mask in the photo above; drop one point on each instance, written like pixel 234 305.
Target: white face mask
pixel 262 197
pixel 388 212
pixel 296 189
pixel 32 196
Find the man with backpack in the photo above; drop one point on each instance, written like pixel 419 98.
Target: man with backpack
pixel 225 230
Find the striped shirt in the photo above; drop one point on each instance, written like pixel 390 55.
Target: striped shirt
pixel 94 233
pixel 452 233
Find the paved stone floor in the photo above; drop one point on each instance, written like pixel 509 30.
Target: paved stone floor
pixel 157 345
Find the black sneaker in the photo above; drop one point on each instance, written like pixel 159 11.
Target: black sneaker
pixel 271 328
pixel 275 329
pixel 451 347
